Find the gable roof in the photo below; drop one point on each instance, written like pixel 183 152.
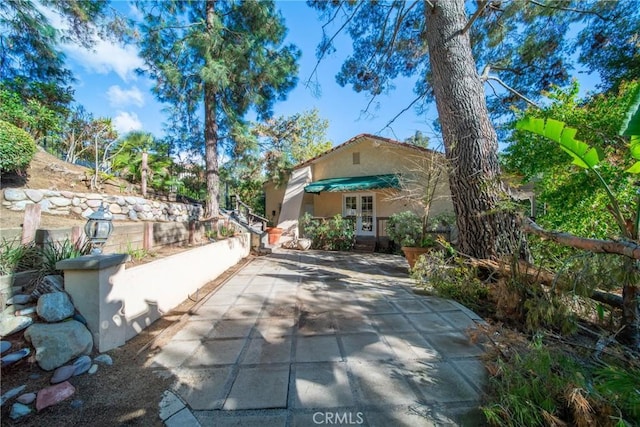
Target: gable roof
pixel 359 138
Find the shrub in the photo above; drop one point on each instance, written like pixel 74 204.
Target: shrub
pixel 16 257
pixel 542 386
pixel 450 277
pixel 335 234
pixel 17 148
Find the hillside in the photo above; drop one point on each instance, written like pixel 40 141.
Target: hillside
pixel 50 173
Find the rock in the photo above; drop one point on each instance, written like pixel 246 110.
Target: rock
pixel 81 365
pixel 87 212
pixel 60 201
pixel 51 395
pixel 26 398
pixel 14 195
pixel 18 410
pixel 34 195
pixel 115 208
pixel 21 205
pixel 12 324
pixel 130 200
pixel 75 202
pixel 93 369
pixel 94 196
pixel 55 306
pixel 57 343
pixel 77 403
pixel 11 394
pixel 4 346
pixel 94 203
pixel 77 210
pixel 19 299
pixel 34 376
pixel 121 201
pixel 133 216
pixel 27 310
pixel 104 359
pixel 138 207
pixel 67 194
pixel 12 358
pixel 63 373
pixel 45 205
pixel 48 284
pixel 51 193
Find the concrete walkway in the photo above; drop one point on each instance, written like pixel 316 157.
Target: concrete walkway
pixel 323 338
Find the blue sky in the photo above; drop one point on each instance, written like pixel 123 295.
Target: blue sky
pixel 108 86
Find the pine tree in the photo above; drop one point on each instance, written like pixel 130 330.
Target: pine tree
pixel 225 57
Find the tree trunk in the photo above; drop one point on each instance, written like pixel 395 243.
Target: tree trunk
pixel 631 316
pixel 486 230
pixel 143 173
pixel 211 135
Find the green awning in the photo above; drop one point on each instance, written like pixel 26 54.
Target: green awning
pixel 354 183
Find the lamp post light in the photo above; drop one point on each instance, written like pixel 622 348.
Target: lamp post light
pixel 98 229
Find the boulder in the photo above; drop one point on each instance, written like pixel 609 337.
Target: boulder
pixel 19 299
pixel 55 306
pixel 57 343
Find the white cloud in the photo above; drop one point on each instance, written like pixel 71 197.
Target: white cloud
pixel 119 97
pixel 125 122
pixel 106 57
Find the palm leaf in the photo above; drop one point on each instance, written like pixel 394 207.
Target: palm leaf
pixel 631 123
pixel 582 154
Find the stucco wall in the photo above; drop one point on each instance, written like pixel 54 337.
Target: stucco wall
pixel 273 201
pixel 376 158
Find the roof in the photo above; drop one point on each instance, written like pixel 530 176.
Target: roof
pixel 359 138
pixel 355 183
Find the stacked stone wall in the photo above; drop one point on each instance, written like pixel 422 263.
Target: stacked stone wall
pixel 122 208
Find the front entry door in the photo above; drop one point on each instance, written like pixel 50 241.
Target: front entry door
pixel 362 207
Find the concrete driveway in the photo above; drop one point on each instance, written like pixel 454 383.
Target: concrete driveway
pixel 323 338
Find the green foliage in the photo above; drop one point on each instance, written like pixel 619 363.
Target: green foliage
pixel 335 234
pixel 15 257
pixel 543 386
pixel 17 148
pixel 52 252
pixel 407 229
pixel 288 141
pixel 137 254
pixel 449 276
pixel 574 202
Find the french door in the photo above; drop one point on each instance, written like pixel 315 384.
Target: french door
pixel 361 206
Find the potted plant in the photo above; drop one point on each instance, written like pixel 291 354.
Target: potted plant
pixel 408 230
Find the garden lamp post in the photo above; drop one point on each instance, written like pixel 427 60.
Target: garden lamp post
pixel 98 229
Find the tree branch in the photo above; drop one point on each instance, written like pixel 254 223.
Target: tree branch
pixel 568 9
pixel 619 247
pixel 418 98
pixel 482 5
pixel 485 77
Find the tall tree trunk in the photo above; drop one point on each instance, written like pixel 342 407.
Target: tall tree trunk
pixel 143 173
pixel 471 143
pixel 211 134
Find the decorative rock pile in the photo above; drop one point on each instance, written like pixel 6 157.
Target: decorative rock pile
pixel 59 337
pixel 121 207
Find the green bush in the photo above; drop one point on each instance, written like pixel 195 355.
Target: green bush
pixel 335 234
pixel 450 277
pixel 17 148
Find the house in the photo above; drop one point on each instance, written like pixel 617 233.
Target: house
pixel 367 178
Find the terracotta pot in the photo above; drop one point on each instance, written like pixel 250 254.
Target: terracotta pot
pixel 274 234
pixel 412 254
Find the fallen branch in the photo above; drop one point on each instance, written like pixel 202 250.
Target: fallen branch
pixel 619 247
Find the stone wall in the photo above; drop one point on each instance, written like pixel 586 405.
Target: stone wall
pixel 122 207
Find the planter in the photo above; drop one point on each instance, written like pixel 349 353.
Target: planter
pixel 274 234
pixel 412 254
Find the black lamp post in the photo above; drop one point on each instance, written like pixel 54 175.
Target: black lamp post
pixel 98 229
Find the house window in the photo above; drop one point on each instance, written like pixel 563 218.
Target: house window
pixel 356 158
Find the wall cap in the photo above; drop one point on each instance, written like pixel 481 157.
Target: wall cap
pixel 92 262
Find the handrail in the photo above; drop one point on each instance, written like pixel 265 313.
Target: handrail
pixel 242 208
